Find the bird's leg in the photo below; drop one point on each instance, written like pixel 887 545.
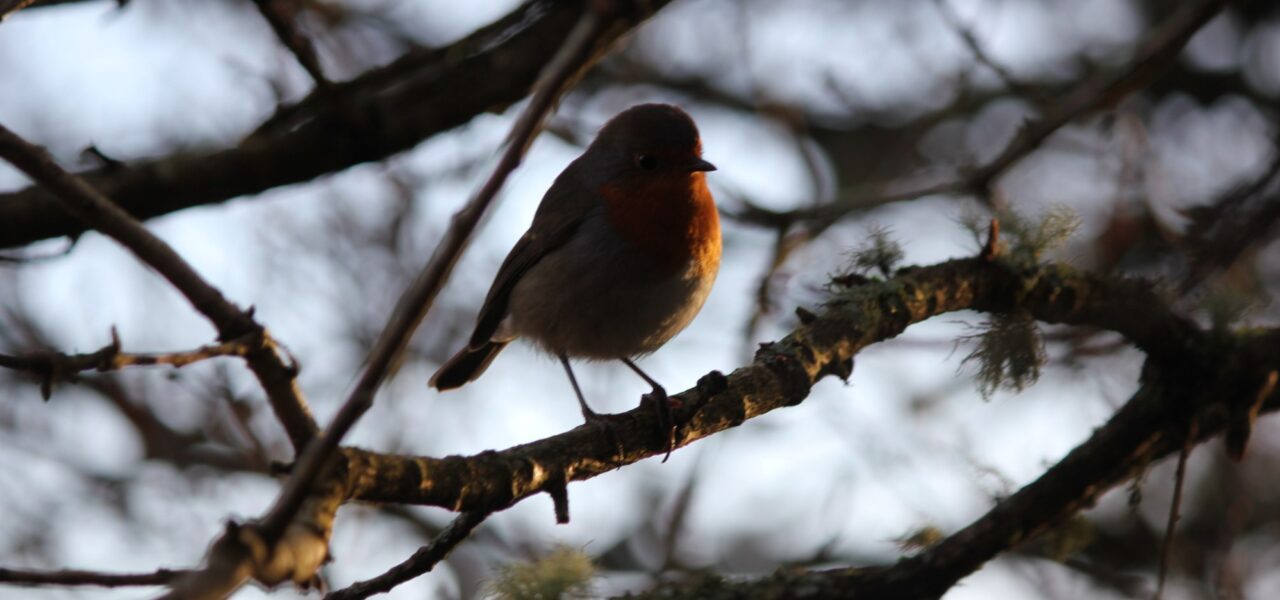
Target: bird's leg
pixel 592 418
pixel 662 404
pixel 587 413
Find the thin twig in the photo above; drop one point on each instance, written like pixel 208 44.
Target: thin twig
pixel 282 24
pixel 111 358
pixel 790 237
pixel 1155 53
pixel 97 211
pixel 980 54
pixel 81 199
pixel 580 48
pixel 30 577
pixel 384 111
pixel 159 439
pixel 422 561
pixel 1220 232
pixel 576 53
pixel 52 366
pixel 1175 507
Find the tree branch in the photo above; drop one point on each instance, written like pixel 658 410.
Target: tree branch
pixel 51 366
pixel 1149 427
pixel 595 31
pixel 1220 232
pixel 80 199
pixel 1191 377
pixel 422 561
pixel 1154 55
pixel 30 577
pixel 781 375
pixel 980 53
pixel 382 112
pixel 281 20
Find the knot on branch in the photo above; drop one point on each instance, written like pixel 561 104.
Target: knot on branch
pixel 296 557
pixel 712 383
pixel 789 370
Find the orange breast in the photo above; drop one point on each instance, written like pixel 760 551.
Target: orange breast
pixel 673 219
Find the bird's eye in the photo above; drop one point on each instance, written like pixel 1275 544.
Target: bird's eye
pixel 646 162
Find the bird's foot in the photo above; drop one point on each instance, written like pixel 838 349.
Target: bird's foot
pixel 667 426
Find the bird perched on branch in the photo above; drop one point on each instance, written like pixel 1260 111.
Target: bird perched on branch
pixel 621 255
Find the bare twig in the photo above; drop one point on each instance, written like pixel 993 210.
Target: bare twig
pixel 578 51
pixel 1175 508
pixel 51 365
pixel 421 94
pixel 783 245
pixel 979 53
pixel 596 26
pixel 422 561
pixel 790 236
pixel 1157 51
pixel 1220 232
pixel 160 440
pixel 28 577
pixel 281 20
pixel 97 211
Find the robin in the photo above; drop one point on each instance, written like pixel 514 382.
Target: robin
pixel 621 254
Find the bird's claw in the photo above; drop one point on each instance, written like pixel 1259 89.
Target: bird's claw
pixel 667 425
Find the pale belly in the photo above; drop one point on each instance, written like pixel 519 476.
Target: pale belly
pixel 594 298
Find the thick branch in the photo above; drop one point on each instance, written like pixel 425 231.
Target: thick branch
pixel 590 38
pixel 1192 377
pixel 242 553
pixel 376 115
pixel 1151 426
pixel 782 375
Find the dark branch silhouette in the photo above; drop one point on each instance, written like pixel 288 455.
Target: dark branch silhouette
pixel 79 198
pixel 1198 382
pixel 382 112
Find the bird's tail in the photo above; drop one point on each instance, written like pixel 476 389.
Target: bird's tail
pixel 465 366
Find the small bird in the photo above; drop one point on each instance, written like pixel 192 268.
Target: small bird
pixel 621 255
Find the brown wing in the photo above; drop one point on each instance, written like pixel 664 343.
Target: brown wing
pixel 562 209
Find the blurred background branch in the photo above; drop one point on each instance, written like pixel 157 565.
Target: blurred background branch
pixel 825 118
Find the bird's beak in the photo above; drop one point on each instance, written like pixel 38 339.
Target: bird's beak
pixel 698 164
